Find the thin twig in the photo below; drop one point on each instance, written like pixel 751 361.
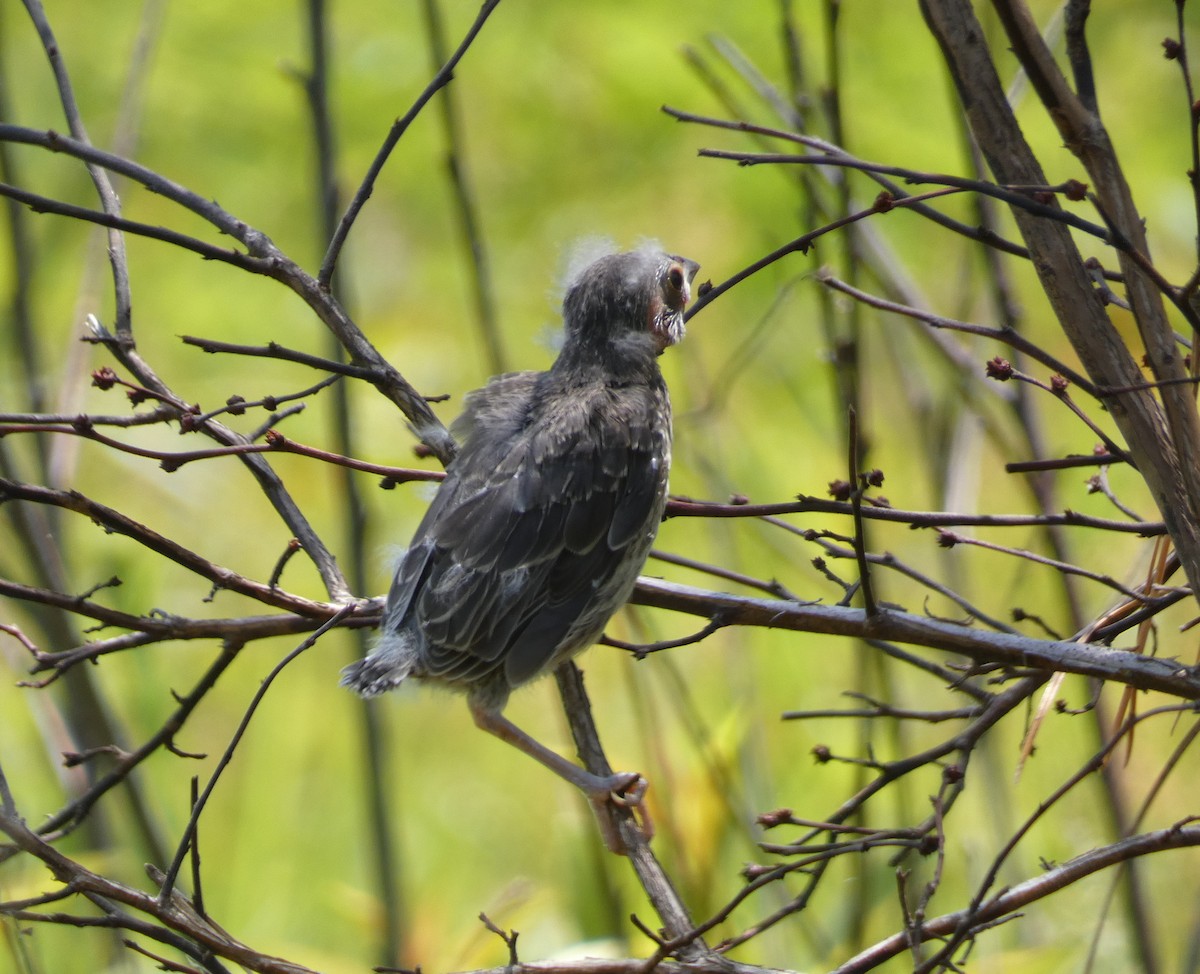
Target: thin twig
pixel 189 832
pixel 439 81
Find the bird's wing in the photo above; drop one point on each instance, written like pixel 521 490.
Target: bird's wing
pixel 485 411
pixel 531 524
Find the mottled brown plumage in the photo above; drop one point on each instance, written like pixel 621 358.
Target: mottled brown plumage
pixel 546 516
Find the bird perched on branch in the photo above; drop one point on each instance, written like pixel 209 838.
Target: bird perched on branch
pixel 547 514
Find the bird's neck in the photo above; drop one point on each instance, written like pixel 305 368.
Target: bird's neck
pixel 630 358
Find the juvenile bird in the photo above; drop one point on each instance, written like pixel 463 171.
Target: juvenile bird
pixel 547 514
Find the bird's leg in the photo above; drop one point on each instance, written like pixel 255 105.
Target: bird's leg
pixel 625 789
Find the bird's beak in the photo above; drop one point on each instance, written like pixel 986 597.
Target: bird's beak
pixel 691 268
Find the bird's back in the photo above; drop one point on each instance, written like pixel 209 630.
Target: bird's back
pixel 538 533
pixel 549 510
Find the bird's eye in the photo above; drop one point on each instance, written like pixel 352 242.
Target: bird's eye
pixel 675 277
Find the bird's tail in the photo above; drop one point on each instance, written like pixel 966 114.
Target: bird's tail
pixel 387 666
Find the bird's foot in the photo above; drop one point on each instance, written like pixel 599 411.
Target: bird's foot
pixel 621 795
pixel 616 798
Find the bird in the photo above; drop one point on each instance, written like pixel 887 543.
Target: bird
pixel 547 513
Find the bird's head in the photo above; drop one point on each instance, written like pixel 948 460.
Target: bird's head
pixel 622 296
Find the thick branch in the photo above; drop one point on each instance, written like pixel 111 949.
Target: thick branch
pixel 1065 280
pixel 1143 672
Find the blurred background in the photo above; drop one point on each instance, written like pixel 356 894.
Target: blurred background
pixel 560 139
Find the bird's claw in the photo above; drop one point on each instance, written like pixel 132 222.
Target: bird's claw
pixel 630 791
pixel 624 792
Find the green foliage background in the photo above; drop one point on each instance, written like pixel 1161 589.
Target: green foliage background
pixel 563 141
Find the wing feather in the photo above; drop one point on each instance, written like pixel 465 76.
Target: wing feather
pixel 536 517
